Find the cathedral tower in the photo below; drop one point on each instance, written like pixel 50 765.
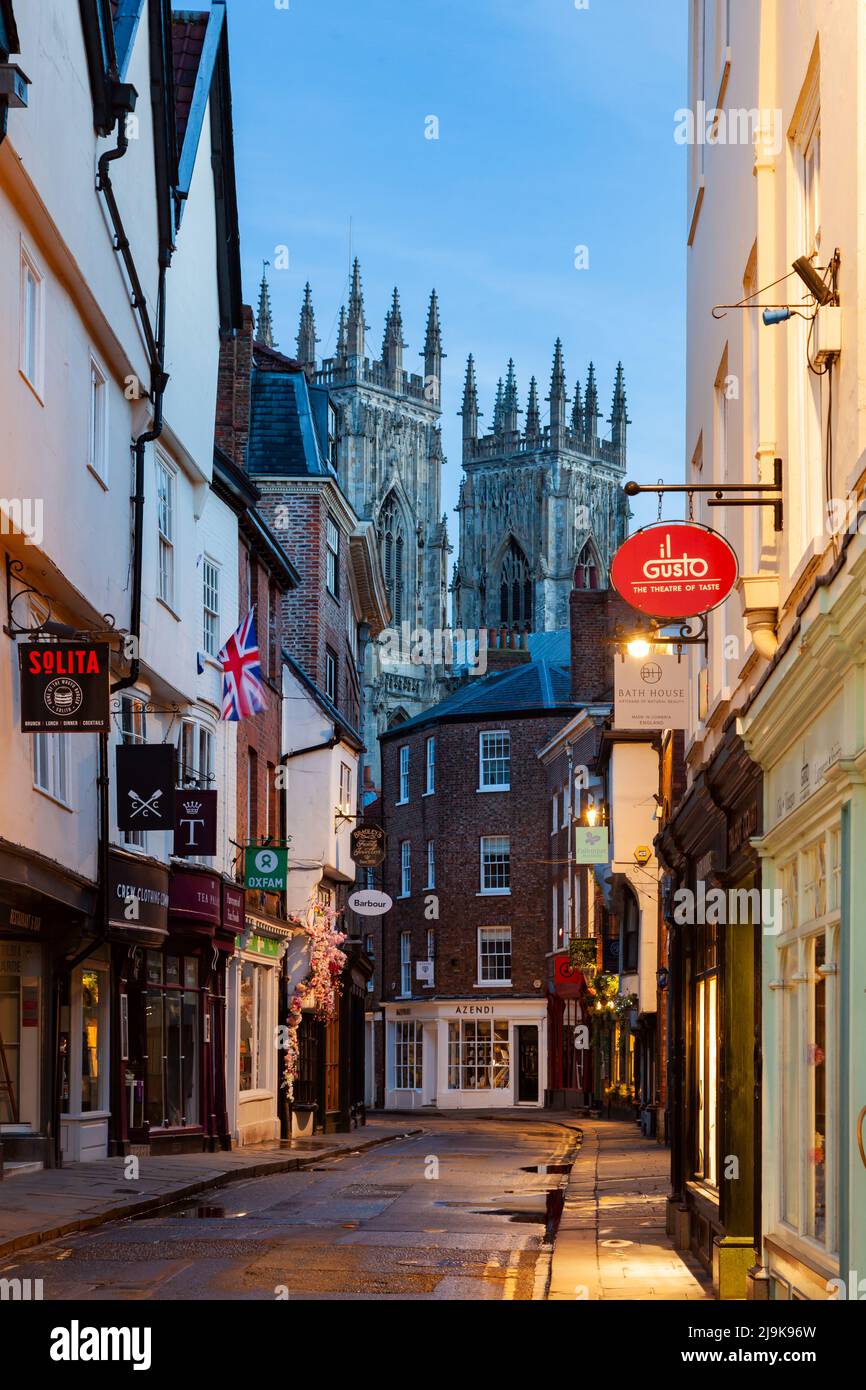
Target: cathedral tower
pixel 542 510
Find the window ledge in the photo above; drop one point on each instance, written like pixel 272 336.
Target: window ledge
pixel 168 608
pixel 103 482
pixel 64 805
pixel 493 984
pixel 404 802
pixel 494 893
pixel 85 1115
pixel 506 787
pixel 37 391
pixel 432 792
pixel 247 1097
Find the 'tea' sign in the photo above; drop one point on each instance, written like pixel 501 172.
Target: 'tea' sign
pixel 674 569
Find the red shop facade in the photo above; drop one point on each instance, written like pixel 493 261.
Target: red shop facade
pixel 172 930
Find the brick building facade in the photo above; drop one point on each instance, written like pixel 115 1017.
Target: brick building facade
pixel 464 968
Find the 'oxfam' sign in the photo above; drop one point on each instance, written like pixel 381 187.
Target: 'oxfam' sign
pixel 266 868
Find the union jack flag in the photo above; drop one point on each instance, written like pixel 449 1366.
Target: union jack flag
pixel 243 691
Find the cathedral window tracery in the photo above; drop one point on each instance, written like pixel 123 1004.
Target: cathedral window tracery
pixel 586 569
pixel 515 587
pixel 392 541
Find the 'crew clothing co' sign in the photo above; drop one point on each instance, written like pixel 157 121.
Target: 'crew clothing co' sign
pixel 64 687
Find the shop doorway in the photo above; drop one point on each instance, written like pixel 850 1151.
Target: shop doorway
pixel 527 1063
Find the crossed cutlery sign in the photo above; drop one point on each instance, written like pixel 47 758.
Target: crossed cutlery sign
pixel 144 805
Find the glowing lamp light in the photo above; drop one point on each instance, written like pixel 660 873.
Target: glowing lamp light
pixel 591 815
pixel 638 647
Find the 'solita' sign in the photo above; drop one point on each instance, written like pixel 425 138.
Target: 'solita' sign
pixel 674 569
pixel 64 687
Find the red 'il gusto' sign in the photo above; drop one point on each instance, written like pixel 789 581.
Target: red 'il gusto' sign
pixel 674 569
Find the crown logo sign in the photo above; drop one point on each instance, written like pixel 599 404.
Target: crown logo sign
pixel 192 808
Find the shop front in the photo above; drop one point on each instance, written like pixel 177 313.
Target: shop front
pixel 807 732
pixel 568 1021
pixel 254 1071
pixel 168 966
pixel 713 908
pixel 45 915
pixel 465 1054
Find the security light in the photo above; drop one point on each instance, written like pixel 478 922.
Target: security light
pixel 812 280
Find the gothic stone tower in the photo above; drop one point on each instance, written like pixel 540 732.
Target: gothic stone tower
pixel 389 460
pixel 541 509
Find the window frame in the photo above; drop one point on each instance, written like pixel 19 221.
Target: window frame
pixel 403 775
pixel 59 762
pixel 408 1054
pixel 97 447
pixel 485 890
pixel 488 759
pixel 166 541
pixel 431 864
pixel 29 267
pixel 430 765
pixel 405 868
pixel 331 674
pixel 332 557
pixel 212 612
pixel 405 964
pixel 495 934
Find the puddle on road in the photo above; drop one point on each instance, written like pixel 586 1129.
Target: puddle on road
pixel 554 1202
pixel 548 1168
pixel 193 1210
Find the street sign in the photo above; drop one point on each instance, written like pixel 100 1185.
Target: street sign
pixel 369 902
pixel 368 845
pixel 145 782
pixel 651 692
pixel 590 844
pixel 674 569
pixel 195 823
pixel 266 868
pixel 64 687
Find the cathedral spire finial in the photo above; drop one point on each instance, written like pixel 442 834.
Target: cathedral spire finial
pixel 510 407
pixel 591 412
pixel 619 420
pixel 393 345
pixel 342 338
pixel 498 408
pixel 470 411
pixel 557 397
pixel 307 339
pixel 356 327
pixel 264 320
pixel 577 412
pixel 533 414
pixel 433 353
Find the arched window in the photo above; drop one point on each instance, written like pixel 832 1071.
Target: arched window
pixel 392 542
pixel 586 570
pixel 515 587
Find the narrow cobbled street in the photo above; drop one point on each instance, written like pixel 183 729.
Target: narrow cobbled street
pixel 464 1210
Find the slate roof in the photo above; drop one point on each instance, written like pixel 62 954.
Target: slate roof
pixel 535 687
pixel 550 646
pixel 283 441
pixel 188 28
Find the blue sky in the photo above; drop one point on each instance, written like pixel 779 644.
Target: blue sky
pixel 555 131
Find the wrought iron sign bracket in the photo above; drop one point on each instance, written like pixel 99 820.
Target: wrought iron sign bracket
pixel 656 635
pixel 720 497
pixel 49 627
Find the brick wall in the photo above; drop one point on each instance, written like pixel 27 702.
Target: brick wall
pixel 232 425
pixel 313 620
pixel 455 817
pixel 593 614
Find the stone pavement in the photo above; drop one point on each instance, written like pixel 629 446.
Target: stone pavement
pixel 54 1202
pixel 611 1242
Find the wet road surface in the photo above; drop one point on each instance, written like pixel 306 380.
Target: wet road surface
pixel 466 1210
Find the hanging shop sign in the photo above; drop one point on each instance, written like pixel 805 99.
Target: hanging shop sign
pixel 590 844
pixel 266 868
pixel 64 687
pixel 568 979
pixel 369 902
pixel 195 898
pixel 146 777
pixel 652 692
pixel 368 846
pixel 195 823
pixel 674 569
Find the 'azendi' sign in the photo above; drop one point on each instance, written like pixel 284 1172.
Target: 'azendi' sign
pixel 674 570
pixel 64 687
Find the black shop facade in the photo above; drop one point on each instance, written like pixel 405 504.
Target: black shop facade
pixel 172 930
